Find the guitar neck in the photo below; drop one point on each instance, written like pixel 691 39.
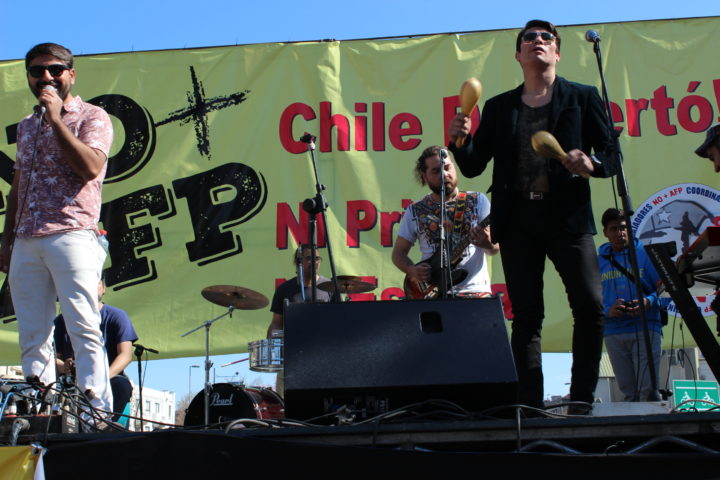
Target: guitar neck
pixel 466 240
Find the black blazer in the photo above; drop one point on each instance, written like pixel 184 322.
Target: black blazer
pixel 577 120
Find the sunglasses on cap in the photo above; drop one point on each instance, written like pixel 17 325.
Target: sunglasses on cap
pixel 531 36
pixel 57 69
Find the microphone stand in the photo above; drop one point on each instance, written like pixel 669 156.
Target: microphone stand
pixel 616 153
pixel 445 273
pixel 314 206
pixel 139 349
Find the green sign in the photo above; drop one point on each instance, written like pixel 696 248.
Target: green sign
pixel 700 394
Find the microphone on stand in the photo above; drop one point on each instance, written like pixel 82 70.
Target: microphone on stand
pixel 309 138
pixel 592 36
pixel 139 348
pixel 443 157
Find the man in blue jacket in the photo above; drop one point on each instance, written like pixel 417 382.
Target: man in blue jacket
pixel 624 339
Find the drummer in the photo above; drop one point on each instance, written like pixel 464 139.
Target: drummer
pixel 298 288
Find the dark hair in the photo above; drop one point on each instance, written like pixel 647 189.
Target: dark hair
pixel 715 141
pixel 612 215
pixel 297 256
pixel 545 25
pixel 57 51
pixel 421 164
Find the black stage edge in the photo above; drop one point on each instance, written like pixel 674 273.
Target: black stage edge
pixel 396 352
pixel 667 446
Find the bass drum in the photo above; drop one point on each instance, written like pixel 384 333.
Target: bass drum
pixel 231 401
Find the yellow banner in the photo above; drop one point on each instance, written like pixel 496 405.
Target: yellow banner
pixel 207 174
pixel 18 463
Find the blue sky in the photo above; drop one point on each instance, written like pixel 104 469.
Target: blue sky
pixel 103 27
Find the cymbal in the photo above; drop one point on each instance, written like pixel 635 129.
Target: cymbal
pixel 238 297
pixel 348 278
pixel 347 284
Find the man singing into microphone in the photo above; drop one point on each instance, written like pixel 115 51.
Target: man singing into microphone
pixel 541 207
pixel 51 224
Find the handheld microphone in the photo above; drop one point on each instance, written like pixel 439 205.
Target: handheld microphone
pixel 592 36
pixel 43 109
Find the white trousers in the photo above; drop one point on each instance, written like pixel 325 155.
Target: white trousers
pixel 67 266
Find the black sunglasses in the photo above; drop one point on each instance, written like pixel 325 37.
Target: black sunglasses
pixel 57 69
pixel 531 36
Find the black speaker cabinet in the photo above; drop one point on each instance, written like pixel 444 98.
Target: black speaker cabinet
pixel 379 356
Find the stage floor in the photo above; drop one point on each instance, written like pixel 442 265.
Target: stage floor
pixel 679 445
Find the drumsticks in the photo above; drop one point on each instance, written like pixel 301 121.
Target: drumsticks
pixel 470 92
pixel 547 145
pixel 236 361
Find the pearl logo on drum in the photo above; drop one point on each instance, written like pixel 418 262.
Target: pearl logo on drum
pixel 216 400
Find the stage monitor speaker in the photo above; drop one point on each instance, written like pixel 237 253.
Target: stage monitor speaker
pixel 378 356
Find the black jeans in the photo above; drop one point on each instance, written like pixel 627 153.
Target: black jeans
pixel 531 238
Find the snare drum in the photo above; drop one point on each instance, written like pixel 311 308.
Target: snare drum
pixel 230 401
pixel 267 355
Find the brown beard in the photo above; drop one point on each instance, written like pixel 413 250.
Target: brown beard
pixel 449 187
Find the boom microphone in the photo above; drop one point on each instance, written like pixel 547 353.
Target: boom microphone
pixel 146 349
pixel 592 36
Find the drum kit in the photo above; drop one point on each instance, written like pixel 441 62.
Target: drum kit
pixel 227 401
pixel 232 298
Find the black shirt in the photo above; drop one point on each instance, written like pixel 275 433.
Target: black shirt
pixel 291 290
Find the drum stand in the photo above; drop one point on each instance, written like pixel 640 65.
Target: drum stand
pixel 208 363
pixel 446 282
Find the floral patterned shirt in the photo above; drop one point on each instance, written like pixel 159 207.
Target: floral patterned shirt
pixel 51 197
